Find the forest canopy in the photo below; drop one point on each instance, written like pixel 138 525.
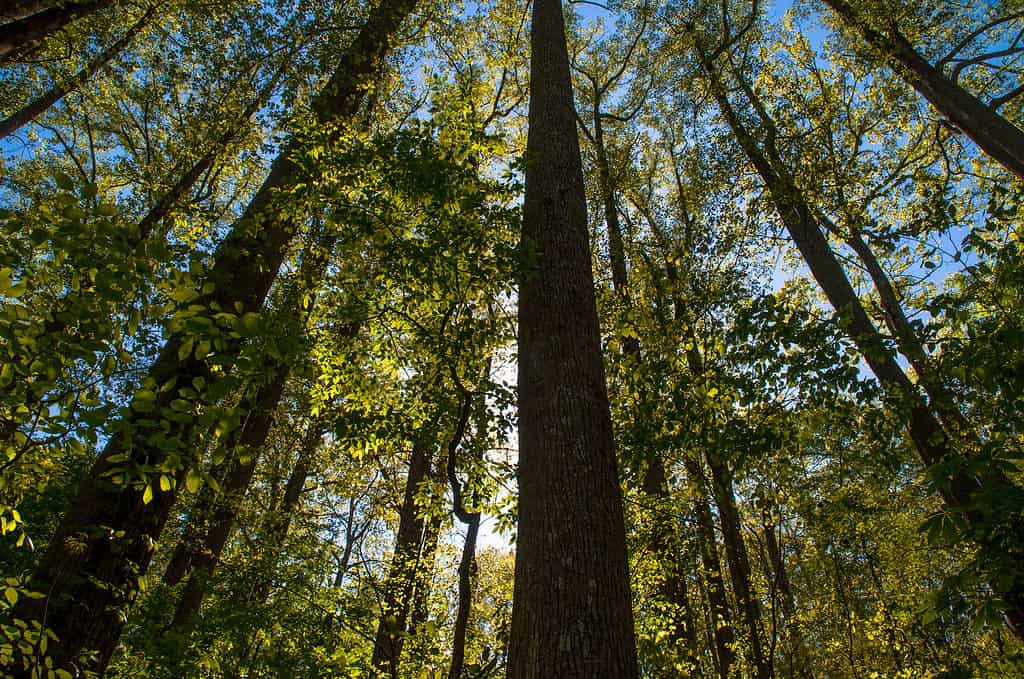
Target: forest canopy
pixel 418 338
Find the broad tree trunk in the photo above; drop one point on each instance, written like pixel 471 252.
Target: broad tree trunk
pixel 19 37
pixel 926 433
pixel 405 567
pixel 572 615
pixel 739 564
pixel 90 575
pixel 38 106
pixel 993 134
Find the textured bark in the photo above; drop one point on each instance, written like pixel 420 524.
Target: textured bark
pixel 90 569
pixel 404 568
pixel 41 104
pixel 19 37
pixel 572 615
pixel 993 134
pixel 739 565
pixel 926 433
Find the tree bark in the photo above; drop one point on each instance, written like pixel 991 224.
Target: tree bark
pixel 104 542
pixel 37 107
pixel 993 134
pixel 19 37
pixel 404 568
pixel 572 615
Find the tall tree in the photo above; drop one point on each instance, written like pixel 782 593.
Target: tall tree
pixel 571 615
pixel 88 573
pixel 927 434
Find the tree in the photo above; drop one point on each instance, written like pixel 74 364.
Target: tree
pixel 245 269
pixel 990 131
pixel 572 614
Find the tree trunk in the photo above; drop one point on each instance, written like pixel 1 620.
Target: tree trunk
pixel 38 106
pixel 671 583
pixel 90 573
pixel 19 37
pixel 404 568
pixel 251 438
pixel 797 660
pixel 958 489
pixel 214 521
pixel 16 10
pixel 739 564
pixel 993 134
pixel 572 615
pixel 467 571
pixel 720 612
pixel 910 344
pixel 428 553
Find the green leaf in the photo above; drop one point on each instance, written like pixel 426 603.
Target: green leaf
pixel 193 481
pixel 147 495
pixel 249 324
pixel 16 290
pixel 11 595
